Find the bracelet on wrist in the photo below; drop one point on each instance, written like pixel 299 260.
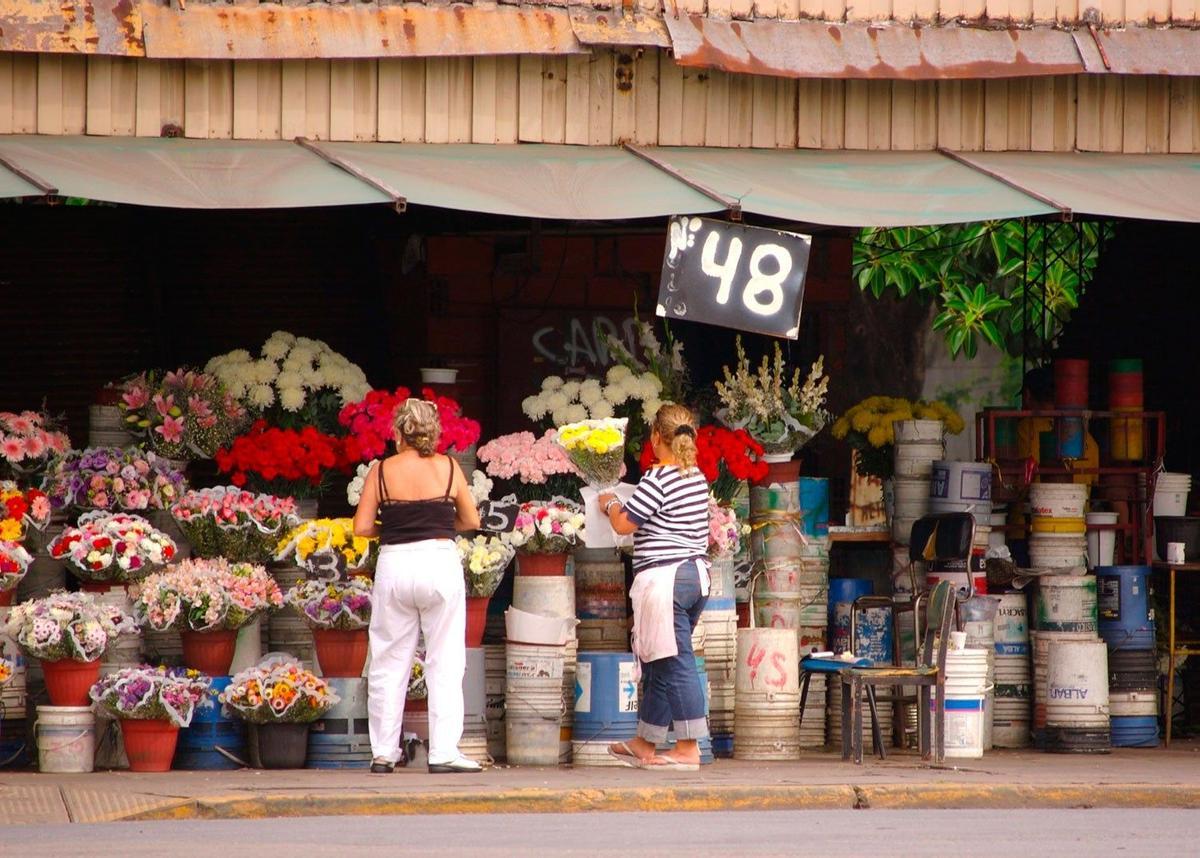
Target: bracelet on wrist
pixel 608 506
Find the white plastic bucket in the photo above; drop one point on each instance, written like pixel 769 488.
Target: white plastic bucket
pixel 1170 503
pixel 912 497
pixel 66 739
pixel 1133 704
pixel 1058 551
pixel 1101 544
pixel 524 627
pixel 1077 684
pixel 997 521
pixel 966 691
pixel 532 741
pixel 1068 603
pixel 545 595
pixel 915 460
pixel 1012 626
pixel 1058 500
pixel 918 431
pixel 438 375
pixel 959 483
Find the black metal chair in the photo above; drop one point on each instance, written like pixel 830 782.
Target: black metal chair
pixel 929 675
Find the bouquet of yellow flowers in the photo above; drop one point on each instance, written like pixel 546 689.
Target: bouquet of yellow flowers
pixel 868 427
pixel 327 548
pixel 597 449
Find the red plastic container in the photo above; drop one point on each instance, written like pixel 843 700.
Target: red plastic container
pixel 1125 384
pixel 1070 383
pixel 68 682
pixel 149 744
pixel 341 652
pixel 209 652
pixel 476 619
pixel 541 564
pixel 781 472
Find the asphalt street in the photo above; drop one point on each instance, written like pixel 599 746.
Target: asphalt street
pixel 967 833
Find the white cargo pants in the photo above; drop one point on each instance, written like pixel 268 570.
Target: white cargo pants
pixel 418 588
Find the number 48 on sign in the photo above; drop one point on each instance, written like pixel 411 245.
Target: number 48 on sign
pixel 737 276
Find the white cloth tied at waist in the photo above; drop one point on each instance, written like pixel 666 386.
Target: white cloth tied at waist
pixel 653 597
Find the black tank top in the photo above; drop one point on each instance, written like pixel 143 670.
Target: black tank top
pixel 402 521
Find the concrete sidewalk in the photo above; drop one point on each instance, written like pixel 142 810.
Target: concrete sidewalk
pixel 1012 779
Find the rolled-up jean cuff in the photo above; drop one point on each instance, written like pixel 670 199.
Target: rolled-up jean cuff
pixel 652 732
pixel 693 728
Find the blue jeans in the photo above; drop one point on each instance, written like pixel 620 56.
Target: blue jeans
pixel 672 692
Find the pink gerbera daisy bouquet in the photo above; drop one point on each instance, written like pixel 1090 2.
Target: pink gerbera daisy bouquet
pixel 28 442
pixel 184 414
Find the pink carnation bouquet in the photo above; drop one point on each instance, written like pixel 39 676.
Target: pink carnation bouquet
pixel 531 467
pixel 233 523
pixel 724 531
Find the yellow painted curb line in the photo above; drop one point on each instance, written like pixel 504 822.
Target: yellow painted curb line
pixel 684 798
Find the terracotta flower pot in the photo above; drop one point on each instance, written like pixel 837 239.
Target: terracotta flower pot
pixel 411 705
pixel 209 652
pixel 541 564
pixel 149 744
pixel 68 682
pixel 476 619
pixel 6 597
pixel 340 652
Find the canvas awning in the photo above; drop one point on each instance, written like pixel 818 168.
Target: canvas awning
pixel 1148 187
pixel 835 188
pixel 192 174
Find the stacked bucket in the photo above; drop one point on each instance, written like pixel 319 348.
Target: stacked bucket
pixel 871 637
pixel 1013 699
pixel 1059 537
pixel 600 600
pixel 1070 667
pixel 553 596
pixel 606 706
pixel 1127 627
pixel 977 619
pixel 956 487
pixel 1125 396
pixel 1070 394
pixel 718 631
pixel 767 713
pixel 340 738
pixel 533 691
pixel 474 742
pixel 286 631
pixel 918 444
pixel 494 687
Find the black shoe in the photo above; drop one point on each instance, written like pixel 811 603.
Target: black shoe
pixel 380 766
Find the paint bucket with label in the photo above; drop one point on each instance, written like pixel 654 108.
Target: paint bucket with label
pixel 966 690
pixel 767 705
pixel 1077 685
pixel 606 706
pixel 1125 612
pixel 961 487
pixel 1067 603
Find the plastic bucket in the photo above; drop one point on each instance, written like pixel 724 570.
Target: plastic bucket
pixel 341 738
pixel 1070 383
pixel 66 739
pixel 956 572
pixel 814 505
pixel 606 701
pixel 599 585
pixel 1125 384
pixel 961 483
pixel 532 741
pixel 1058 500
pixel 1069 437
pixel 1102 544
pixel 912 497
pixel 1067 603
pixel 1134 732
pixel 722 594
pixel 524 627
pixel 1126 436
pixel 848 590
pixel 915 460
pixel 966 689
pixel 918 431
pixel 1123 601
pixel 1059 526
pixel 1077 684
pixel 546 596
pixel 1065 551
pixel 1011 631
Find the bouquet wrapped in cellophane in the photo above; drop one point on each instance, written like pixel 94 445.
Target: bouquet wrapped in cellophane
pixel 597 449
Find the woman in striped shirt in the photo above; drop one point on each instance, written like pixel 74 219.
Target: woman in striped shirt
pixel 668 515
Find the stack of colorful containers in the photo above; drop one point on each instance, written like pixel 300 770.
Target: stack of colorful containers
pixel 717 630
pixel 1125 396
pixel 554 596
pixel 600 600
pixel 13 741
pixel 1014 688
pixel 1127 626
pixel 918 444
pixel 1059 538
pixel 1070 394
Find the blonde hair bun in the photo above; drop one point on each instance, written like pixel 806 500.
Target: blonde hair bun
pixel 417 424
pixel 676 425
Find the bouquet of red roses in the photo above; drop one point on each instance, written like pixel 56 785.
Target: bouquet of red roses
pixel 725 457
pixel 286 461
pixel 370 422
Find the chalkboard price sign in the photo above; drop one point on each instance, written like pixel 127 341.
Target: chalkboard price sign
pixel 498 516
pixel 737 276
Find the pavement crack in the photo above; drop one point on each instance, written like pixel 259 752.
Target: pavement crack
pixel 861 801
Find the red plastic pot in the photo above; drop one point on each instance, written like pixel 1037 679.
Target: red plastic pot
pixel 541 564
pixel 341 652
pixel 209 652
pixel 476 619
pixel 781 472
pixel 149 744
pixel 68 682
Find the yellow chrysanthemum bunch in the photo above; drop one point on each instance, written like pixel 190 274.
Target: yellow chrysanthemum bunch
pixel 325 546
pixel 873 418
pixel 598 439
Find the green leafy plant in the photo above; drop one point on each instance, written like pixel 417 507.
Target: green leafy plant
pixel 1002 282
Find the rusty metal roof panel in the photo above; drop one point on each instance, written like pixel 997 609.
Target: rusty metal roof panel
pixel 72 27
pixel 804 49
pixel 351 31
pixel 610 27
pixel 1139 50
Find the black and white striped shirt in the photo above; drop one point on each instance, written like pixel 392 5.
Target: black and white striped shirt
pixel 671 512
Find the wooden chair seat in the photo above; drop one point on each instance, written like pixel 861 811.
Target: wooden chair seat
pixel 891 674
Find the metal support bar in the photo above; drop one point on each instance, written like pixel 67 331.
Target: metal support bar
pixel 734 206
pixel 399 203
pixel 32 178
pixel 1064 212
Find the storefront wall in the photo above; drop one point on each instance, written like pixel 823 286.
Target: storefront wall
pixel 604 98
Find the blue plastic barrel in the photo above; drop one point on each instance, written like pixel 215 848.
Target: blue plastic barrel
pixel 341 738
pixel 1069 437
pixel 842 594
pixel 814 505
pixel 1123 599
pixel 211 729
pixel 1135 732
pixel 605 696
pixel 873 636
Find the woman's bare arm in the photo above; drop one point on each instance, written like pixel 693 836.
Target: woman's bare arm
pixel 368 504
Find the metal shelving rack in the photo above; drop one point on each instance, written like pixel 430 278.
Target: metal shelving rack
pixel 1013 479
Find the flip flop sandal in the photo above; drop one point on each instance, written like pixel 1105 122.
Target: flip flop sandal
pixel 669 764
pixel 629 758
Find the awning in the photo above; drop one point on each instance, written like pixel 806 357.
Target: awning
pixel 538 180
pixel 193 174
pixel 1148 187
pixel 850 188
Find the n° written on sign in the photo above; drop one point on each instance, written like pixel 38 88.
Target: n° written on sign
pixel 737 276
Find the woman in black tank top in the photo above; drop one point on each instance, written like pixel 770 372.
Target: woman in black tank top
pixel 418 590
